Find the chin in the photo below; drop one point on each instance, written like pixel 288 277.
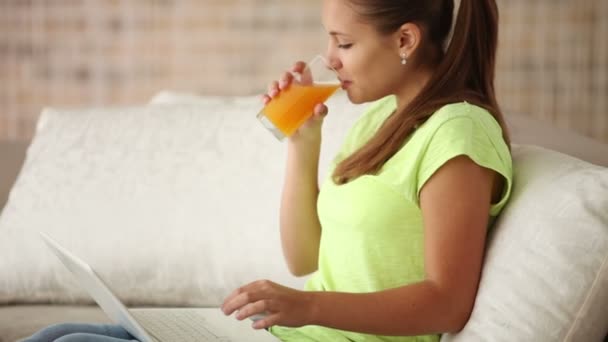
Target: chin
pixel 354 97
pixel 357 98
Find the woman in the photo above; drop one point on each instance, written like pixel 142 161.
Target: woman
pixel 395 237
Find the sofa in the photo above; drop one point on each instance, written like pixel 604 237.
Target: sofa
pixel 174 203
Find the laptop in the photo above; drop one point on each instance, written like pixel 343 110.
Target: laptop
pixel 159 324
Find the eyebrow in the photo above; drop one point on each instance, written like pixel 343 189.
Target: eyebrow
pixel 336 33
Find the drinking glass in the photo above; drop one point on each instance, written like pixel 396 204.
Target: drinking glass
pixel 287 111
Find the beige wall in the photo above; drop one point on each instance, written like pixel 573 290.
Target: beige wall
pixel 553 55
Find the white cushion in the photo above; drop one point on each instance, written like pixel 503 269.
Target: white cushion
pixel 545 276
pixel 342 115
pixel 172 204
pixel 159 200
pixel 526 130
pixel 175 97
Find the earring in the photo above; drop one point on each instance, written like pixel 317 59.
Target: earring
pixel 403 59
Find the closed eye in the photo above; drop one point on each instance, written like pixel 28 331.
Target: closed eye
pixel 344 46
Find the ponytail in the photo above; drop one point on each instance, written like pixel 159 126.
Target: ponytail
pixel 465 73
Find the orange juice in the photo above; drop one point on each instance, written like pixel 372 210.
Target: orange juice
pixel 293 106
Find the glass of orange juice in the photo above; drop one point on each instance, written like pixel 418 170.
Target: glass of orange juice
pixel 286 112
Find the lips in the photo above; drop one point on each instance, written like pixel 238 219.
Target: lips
pixel 345 84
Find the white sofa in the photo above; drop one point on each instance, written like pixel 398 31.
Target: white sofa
pixel 175 203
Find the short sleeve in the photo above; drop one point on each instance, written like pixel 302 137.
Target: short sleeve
pixel 465 135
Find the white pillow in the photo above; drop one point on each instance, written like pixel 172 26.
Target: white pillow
pixel 175 97
pixel 526 130
pixel 545 276
pixel 172 204
pixel 341 116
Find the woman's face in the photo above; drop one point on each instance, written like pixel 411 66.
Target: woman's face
pixel 368 63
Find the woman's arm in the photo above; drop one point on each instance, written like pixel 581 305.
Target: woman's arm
pixel 455 204
pixel 299 222
pixel 300 227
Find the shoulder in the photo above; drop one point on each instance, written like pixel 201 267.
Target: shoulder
pixel 470 126
pixel 464 112
pixel 462 129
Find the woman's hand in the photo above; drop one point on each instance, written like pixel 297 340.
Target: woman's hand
pixel 311 129
pixel 279 305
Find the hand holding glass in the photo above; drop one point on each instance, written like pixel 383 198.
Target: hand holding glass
pixel 287 111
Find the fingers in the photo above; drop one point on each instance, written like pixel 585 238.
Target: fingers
pixel 285 80
pixel 244 295
pixel 304 75
pixel 268 304
pixel 265 99
pixel 298 67
pixel 267 321
pixel 259 309
pixel 275 87
pixel 236 301
pixel 320 111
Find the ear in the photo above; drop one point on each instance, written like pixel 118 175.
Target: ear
pixel 409 36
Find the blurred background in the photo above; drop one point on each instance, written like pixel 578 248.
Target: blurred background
pixel 552 59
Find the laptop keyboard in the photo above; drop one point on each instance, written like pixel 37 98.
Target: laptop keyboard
pixel 177 326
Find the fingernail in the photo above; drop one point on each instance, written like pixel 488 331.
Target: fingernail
pixel 273 93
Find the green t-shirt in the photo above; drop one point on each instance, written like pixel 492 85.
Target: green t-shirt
pixel 372 231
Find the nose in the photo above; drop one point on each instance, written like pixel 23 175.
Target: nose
pixel 331 55
pixel 334 62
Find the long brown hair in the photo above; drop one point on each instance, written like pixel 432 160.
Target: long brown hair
pixel 465 72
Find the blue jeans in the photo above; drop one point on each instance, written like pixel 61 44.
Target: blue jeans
pixel 81 332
